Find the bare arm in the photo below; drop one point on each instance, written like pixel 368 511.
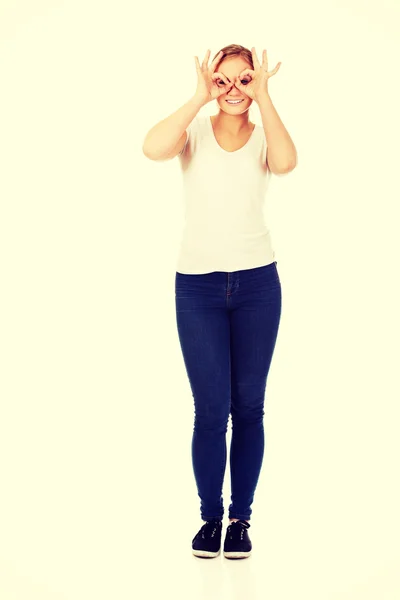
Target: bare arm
pixel 167 138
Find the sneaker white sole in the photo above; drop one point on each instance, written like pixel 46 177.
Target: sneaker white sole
pixel 206 553
pixel 237 554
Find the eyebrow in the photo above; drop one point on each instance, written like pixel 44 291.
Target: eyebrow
pixel 225 76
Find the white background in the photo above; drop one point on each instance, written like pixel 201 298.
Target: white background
pixel 98 498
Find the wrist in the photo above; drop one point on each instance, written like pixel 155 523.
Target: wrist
pixel 199 101
pixel 260 97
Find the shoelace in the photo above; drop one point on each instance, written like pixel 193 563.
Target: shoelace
pixel 238 526
pixel 206 527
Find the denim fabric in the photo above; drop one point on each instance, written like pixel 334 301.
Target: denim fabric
pixel 227 326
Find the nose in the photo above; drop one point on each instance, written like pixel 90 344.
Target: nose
pixel 235 91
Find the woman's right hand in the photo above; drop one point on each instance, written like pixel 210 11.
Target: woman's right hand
pixel 210 85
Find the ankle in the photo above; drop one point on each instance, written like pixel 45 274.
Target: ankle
pixel 232 520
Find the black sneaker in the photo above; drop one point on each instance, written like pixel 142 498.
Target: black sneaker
pixel 207 541
pixel 237 542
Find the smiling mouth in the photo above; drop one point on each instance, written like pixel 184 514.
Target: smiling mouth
pixel 234 101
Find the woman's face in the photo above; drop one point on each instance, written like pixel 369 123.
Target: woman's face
pixel 231 67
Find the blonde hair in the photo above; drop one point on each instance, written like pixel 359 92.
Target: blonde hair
pixel 235 50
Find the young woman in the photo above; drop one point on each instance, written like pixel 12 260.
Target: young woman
pixel 227 287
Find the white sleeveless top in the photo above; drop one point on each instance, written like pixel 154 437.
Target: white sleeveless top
pixel 224 194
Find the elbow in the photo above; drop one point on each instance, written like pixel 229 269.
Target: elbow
pixel 146 148
pixel 292 164
pixel 146 151
pixel 148 154
pixel 283 169
pixel 290 167
pixel 152 155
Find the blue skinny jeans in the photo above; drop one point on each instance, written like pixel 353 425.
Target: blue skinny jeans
pixel 227 326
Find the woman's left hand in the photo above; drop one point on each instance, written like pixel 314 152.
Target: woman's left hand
pixel 257 78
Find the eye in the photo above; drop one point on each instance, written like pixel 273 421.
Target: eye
pixel 243 81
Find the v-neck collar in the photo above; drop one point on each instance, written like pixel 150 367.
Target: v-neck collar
pixel 220 147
